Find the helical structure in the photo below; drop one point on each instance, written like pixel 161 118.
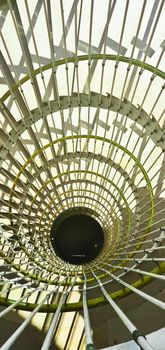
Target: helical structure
pixel 82 133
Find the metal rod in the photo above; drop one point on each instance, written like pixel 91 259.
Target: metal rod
pixel 88 332
pixel 130 326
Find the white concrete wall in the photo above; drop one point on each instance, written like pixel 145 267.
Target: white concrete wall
pixel 156 339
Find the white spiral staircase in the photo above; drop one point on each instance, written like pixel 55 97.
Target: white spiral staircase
pixel 82 133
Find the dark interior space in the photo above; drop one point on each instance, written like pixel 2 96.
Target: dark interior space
pixel 77 238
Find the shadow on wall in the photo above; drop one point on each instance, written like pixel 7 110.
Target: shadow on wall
pixel 31 337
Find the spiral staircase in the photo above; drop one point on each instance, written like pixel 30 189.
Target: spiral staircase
pixel 82 143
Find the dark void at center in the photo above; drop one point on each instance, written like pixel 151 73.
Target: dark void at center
pixel 77 239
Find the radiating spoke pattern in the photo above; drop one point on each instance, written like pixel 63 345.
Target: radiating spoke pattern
pixel 82 132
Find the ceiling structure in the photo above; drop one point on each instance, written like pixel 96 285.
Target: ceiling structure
pixel 82 130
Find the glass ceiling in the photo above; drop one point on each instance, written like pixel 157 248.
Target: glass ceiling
pixel 82 125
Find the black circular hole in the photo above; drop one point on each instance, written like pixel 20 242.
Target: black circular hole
pixel 77 238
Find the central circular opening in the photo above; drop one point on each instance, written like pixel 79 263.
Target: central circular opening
pixel 77 238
